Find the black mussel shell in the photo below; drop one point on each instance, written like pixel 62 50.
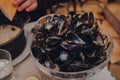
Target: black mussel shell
pixel 84 17
pixel 91 19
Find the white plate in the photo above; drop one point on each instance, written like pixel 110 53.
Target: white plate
pixel 29 38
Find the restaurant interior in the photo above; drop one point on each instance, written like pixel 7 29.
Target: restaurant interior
pixel 107 11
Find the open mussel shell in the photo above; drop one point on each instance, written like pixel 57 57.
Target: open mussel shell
pixel 99 40
pixel 74 38
pixel 45 60
pixel 51 43
pixel 61 23
pixel 84 17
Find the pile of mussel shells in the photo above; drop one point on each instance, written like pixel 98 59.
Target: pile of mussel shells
pixel 70 43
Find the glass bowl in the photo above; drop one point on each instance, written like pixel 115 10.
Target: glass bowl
pixel 81 75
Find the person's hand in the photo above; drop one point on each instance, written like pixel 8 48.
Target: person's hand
pixel 28 5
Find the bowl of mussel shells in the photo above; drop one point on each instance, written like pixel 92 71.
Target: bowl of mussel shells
pixel 75 46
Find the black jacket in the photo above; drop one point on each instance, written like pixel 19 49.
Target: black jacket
pixel 38 12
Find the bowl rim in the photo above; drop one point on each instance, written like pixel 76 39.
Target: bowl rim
pixel 79 72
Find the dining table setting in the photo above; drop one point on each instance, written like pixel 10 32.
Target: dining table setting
pixel 64 45
pixel 24 65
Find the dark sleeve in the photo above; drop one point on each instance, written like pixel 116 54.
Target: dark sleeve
pixel 38 12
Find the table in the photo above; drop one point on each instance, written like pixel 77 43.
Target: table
pixel 27 67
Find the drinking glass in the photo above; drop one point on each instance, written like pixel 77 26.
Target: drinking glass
pixel 6 67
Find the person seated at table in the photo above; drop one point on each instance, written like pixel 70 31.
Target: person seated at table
pixel 37 8
pixel 34 8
